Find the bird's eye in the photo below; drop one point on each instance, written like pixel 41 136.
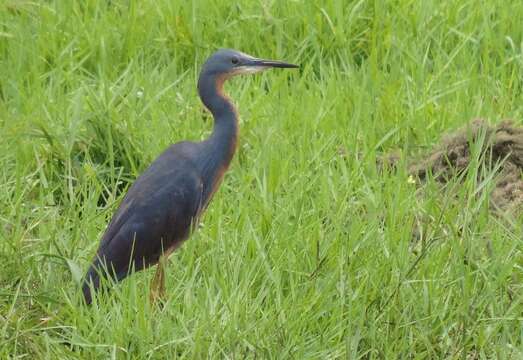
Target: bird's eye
pixel 235 60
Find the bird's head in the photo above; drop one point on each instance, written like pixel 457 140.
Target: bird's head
pixel 227 63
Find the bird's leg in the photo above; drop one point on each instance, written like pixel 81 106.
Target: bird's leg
pixel 158 282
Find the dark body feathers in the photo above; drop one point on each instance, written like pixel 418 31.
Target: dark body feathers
pixel 155 216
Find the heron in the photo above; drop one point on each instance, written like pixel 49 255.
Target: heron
pixel 163 206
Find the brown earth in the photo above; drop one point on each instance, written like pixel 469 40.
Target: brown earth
pixel 502 152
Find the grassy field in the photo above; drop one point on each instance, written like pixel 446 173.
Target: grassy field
pixel 308 251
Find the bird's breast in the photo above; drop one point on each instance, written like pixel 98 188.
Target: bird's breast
pixel 214 183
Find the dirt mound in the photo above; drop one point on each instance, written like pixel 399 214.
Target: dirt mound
pixel 501 149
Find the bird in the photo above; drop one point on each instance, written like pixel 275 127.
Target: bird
pixel 162 208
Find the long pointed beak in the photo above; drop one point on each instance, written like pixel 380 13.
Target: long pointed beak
pixel 268 63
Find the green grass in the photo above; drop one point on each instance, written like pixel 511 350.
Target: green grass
pixel 307 251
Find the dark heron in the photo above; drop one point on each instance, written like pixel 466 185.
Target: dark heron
pixel 162 207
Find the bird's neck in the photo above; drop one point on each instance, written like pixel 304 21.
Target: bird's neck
pixel 224 137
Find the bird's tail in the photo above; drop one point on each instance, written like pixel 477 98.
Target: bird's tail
pixel 91 283
pixel 96 278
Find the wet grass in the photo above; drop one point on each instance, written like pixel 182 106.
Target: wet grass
pixel 308 250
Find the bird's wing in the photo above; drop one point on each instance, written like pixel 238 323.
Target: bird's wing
pixel 156 215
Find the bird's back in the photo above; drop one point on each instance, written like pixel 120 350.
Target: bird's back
pixel 155 216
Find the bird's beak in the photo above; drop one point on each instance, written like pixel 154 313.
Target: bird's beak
pixel 270 63
pixel 254 65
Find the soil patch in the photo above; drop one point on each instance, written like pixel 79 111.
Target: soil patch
pixel 501 148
